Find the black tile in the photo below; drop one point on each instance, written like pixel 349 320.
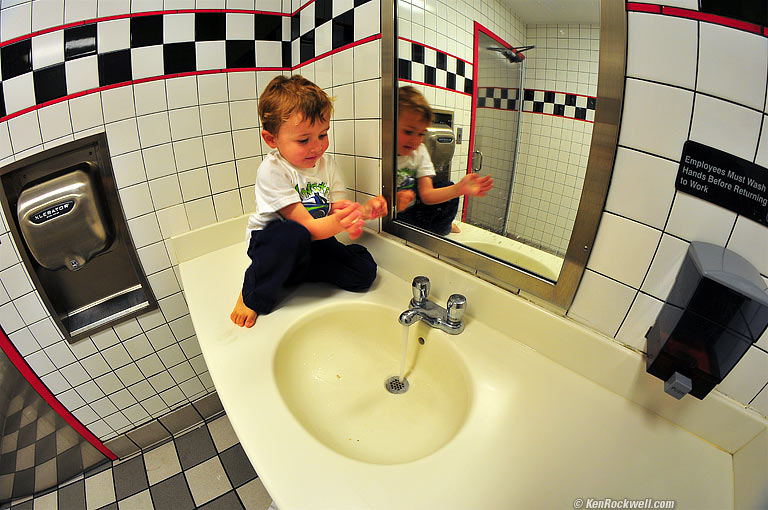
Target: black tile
pixel 130 477
pixel 460 68
pixel 286 54
pixel 179 57
pixel 228 501
pixel 24 482
pixel 50 83
pixel 68 464
pixel 72 496
pixel 489 91
pixel 79 41
pixel 441 61
pixel 591 103
pixel 45 449
pixel 404 69
pixel 171 493
pixel 581 113
pixel 210 26
pixel 195 447
pixel 497 103
pixel 481 102
pixel 570 100
pixel 358 3
pixel 417 53
pixel 241 54
pixel 28 432
pixel 307 46
pixel 505 93
pixel 27 505
pixel 468 86
pixel 560 109
pixel 3 112
pixel 528 95
pixel 15 60
pixel 430 75
pixel 111 506
pixel 268 27
pixel 237 465
pixel 549 96
pixel 538 107
pixel 146 31
pixel 754 11
pixel 295 27
pixel 323 11
pixel 115 67
pixel 8 463
pixel 343 29
pixel 450 81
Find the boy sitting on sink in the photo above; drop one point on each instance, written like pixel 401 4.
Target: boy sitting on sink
pixel 299 205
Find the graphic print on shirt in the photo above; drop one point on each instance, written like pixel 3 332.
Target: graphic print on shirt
pixel 314 197
pixel 406 178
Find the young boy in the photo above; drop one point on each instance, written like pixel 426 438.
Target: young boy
pixel 298 205
pixel 437 203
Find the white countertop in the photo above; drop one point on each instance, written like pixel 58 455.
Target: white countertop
pixel 537 435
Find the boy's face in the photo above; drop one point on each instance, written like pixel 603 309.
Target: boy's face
pixel 299 141
pixel 411 128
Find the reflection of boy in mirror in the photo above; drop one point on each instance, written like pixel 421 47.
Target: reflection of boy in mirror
pixel 421 200
pixel 299 205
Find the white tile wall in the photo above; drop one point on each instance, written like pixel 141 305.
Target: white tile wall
pixel 185 153
pixel 667 101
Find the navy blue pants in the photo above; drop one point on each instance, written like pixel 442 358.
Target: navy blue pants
pixel 436 218
pixel 283 254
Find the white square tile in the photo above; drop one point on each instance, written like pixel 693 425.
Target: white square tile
pixel 173 221
pixel 665 266
pixel 113 7
pixel 19 93
pixel 662 48
pixel 16 21
pixel 40 363
pixel 172 356
pixel 240 26
pixel 147 62
pixel 725 126
pixel 31 308
pixel 642 187
pixel 269 54
pixel 150 97
pixel 223 177
pixel 161 381
pixel 56 383
pixel 24 341
pixel 95 366
pixel 227 205
pixel 78 11
pixel 60 354
pixel 122 136
pixel 368 138
pixel 246 170
pixel 215 118
pixel 324 38
pixel 344 103
pixel 344 136
pixel 694 219
pixel 212 88
pixel 136 200
pixel 164 284
pixel 75 374
pixel 154 129
pixel 241 85
pixel 750 240
pixel 45 332
pixel 165 191
pixel 178 27
pixel 127 329
pixel 5 152
pixel 113 35
pixel 183 328
pixel 346 166
pixel 367 59
pixel 128 169
pixel 139 346
pixel 762 147
pixel 116 357
pixel 367 20
pixel 47 14
pixel 656 118
pixel 247 143
pixel 601 303
pixel 117 104
pixel 182 91
pixel 623 249
pixel 718 66
pixel 747 378
pixel 72 401
pixel 185 123
pixel 367 99
pixel 343 67
pixel 210 55
pixel 10 318
pixel 16 281
pixel 189 154
pixel 159 161
pixel 218 148
pixel 48 49
pixel 105 338
pixel 85 111
pixel 144 230
pixel 200 212
pixel 153 258
pixel 368 175
pixel 146 5
pixel 194 184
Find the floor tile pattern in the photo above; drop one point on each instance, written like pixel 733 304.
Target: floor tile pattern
pixel 202 468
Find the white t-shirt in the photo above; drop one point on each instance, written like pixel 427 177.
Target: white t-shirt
pixel 413 166
pixel 279 184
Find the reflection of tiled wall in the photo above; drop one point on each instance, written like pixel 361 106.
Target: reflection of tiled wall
pixel 184 148
pixel 680 85
pixel 561 82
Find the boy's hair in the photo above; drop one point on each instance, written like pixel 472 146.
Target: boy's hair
pixel 283 97
pixel 408 98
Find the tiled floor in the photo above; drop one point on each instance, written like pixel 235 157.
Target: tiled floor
pixel 203 468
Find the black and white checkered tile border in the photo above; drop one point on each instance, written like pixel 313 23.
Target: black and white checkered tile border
pixel 429 66
pixel 82 57
pixel 497 98
pixel 560 104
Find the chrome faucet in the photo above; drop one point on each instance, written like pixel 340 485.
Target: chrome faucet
pixel 450 320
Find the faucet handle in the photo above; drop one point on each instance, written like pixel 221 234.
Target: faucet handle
pixel 457 305
pixel 420 289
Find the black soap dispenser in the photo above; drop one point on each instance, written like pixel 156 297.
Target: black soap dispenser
pixel 717 308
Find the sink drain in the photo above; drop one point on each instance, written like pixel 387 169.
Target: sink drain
pixel 395 385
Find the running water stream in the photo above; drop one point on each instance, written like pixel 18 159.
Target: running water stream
pixel 406 330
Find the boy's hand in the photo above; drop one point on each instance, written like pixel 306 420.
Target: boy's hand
pixel 404 198
pixel 375 208
pixel 475 185
pixel 349 217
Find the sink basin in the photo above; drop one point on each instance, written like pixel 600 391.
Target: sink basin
pixel 331 368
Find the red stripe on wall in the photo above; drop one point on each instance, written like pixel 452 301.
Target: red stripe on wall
pixel 22 366
pixel 712 18
pixel 638 7
pixel 337 50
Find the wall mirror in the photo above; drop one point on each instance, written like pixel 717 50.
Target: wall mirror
pixel 528 92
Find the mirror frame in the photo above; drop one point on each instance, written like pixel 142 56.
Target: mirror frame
pixel 605 134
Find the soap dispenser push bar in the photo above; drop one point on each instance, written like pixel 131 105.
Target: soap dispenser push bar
pixel 450 320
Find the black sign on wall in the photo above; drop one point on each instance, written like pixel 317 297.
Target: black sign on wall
pixel 724 179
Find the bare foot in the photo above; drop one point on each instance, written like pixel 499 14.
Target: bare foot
pixel 455 228
pixel 242 315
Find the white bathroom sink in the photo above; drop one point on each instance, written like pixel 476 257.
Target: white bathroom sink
pixel 332 367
